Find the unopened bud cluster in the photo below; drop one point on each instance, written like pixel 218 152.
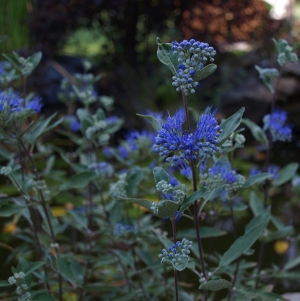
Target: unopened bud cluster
pixel 222 177
pixel 122 230
pixel 22 287
pixel 5 170
pixel 118 189
pixel 175 253
pixel 192 57
pixel 27 66
pixel 102 169
pixel 175 193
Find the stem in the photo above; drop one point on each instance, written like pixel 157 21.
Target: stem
pixel 175 271
pixel 196 210
pixel 44 206
pixel 238 261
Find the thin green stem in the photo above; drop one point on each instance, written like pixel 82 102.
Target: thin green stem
pixel 175 271
pixel 45 209
pixel 196 210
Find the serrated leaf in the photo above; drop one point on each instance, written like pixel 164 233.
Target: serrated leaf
pixel 230 124
pixel 259 178
pixel 204 72
pixel 257 132
pixel 286 174
pixel 166 56
pixel 215 285
pixel 80 180
pixel 154 122
pixel 193 197
pixel 160 175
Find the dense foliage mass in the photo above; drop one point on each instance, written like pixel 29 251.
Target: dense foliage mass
pixel 89 220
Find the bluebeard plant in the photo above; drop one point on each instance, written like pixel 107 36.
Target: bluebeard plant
pixel 14 109
pixel 272 169
pixel 275 123
pixel 222 176
pixel 177 252
pixel 123 230
pixel 192 57
pixel 102 169
pixel 175 143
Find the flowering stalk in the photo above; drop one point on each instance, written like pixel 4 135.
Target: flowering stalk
pixel 44 206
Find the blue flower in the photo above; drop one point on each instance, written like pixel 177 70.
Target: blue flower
pixel 275 123
pixel 174 143
pixel 102 169
pixel 75 126
pixel 272 169
pixel 192 56
pixel 123 230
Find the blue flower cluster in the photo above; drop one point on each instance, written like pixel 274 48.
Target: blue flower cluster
pixel 192 57
pixel 11 102
pixel 102 169
pixel 123 230
pixel 222 176
pixel 176 252
pixel 275 123
pixel 272 169
pixel 176 144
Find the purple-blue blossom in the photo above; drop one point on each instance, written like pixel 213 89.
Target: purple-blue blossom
pixel 192 56
pixel 175 143
pixel 275 123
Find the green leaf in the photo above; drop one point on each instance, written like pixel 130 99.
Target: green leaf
pixel 256 293
pixel 34 266
pixel 64 268
pixel 4 283
pixel 277 223
pixel 80 220
pixel 257 132
pixel 134 178
pixel 167 209
pixel 179 266
pixel 127 296
pixel 44 297
pixel 154 122
pixel 9 210
pixel 213 193
pixel 252 232
pixel 259 178
pixel 35 59
pixel 40 128
pixel 193 197
pixel 160 175
pixel 282 233
pixel 144 203
pixel 286 174
pixel 215 285
pixel 77 271
pixel 13 59
pixel 263 217
pixel 166 56
pixel 230 124
pixel 204 72
pixel 292 263
pixel 255 204
pixel 205 232
pixel 80 180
